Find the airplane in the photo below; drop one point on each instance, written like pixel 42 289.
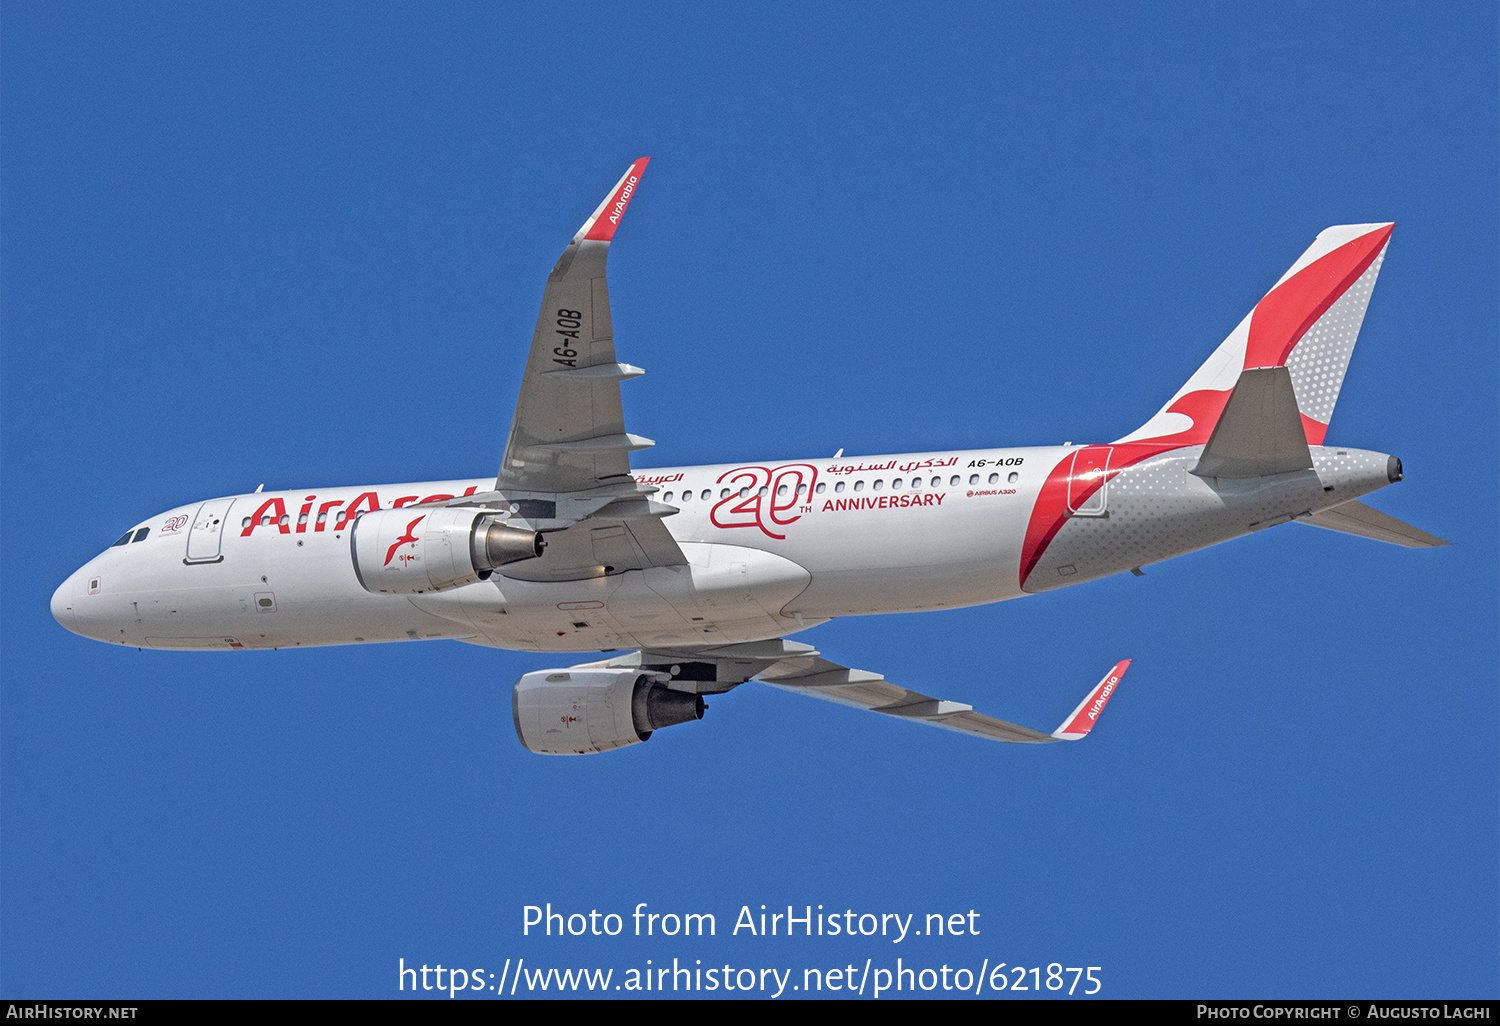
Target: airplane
pixel 690 579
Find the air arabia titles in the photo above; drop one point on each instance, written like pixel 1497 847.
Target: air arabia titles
pixel 272 513
pixel 623 201
pixel 1104 693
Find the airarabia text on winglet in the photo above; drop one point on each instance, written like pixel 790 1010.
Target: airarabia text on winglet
pixel 624 200
pixel 1099 702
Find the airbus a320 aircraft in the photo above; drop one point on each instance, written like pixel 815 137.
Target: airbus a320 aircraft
pixel 693 576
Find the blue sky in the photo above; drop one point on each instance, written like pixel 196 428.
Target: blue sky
pixel 305 246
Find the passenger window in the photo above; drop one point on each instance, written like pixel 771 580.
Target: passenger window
pixel 1013 477
pixel 802 489
pixel 724 493
pixel 937 481
pixel 916 482
pixel 878 485
pixel 839 486
pixel 667 497
pixel 780 490
pixel 859 486
pixel 973 479
pixel 994 478
pixel 953 481
pixel 687 496
pixel 763 490
pixel 245 522
pixel 124 539
pixel 323 517
pixel 821 487
pixel 302 519
pixel 284 520
pixel 708 493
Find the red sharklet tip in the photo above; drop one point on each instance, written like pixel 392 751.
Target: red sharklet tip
pixel 1087 714
pixel 603 228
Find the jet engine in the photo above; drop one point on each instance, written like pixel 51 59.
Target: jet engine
pixel 583 711
pixel 412 551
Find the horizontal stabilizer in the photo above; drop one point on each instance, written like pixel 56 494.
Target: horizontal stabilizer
pixel 1260 431
pixel 1368 522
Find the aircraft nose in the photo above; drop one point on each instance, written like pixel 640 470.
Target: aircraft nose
pixel 62 603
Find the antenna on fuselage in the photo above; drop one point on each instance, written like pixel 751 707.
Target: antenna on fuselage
pixel 838 454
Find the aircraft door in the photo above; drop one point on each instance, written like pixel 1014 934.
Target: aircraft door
pixel 208 531
pixel 1088 482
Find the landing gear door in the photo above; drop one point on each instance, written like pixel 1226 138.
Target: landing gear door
pixel 208 531
pixel 1088 484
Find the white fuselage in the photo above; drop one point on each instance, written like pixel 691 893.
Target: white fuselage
pixel 771 548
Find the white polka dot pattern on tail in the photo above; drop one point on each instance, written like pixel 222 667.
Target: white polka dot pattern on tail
pixel 1318 362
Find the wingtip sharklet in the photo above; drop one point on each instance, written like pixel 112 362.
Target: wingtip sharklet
pixel 1083 718
pixel 601 227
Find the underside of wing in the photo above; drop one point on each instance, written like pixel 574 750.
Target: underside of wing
pixel 569 433
pixel 798 668
pixel 566 467
pixel 864 690
pixel 604 544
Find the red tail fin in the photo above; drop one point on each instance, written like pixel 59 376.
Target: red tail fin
pixel 1307 323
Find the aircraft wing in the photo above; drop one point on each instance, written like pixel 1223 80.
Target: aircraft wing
pixel 865 690
pixel 569 433
pixel 566 468
pixel 798 668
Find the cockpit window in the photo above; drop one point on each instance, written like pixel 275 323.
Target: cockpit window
pixel 124 539
pixel 141 534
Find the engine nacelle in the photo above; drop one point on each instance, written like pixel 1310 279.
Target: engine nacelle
pixel 409 552
pixel 580 712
